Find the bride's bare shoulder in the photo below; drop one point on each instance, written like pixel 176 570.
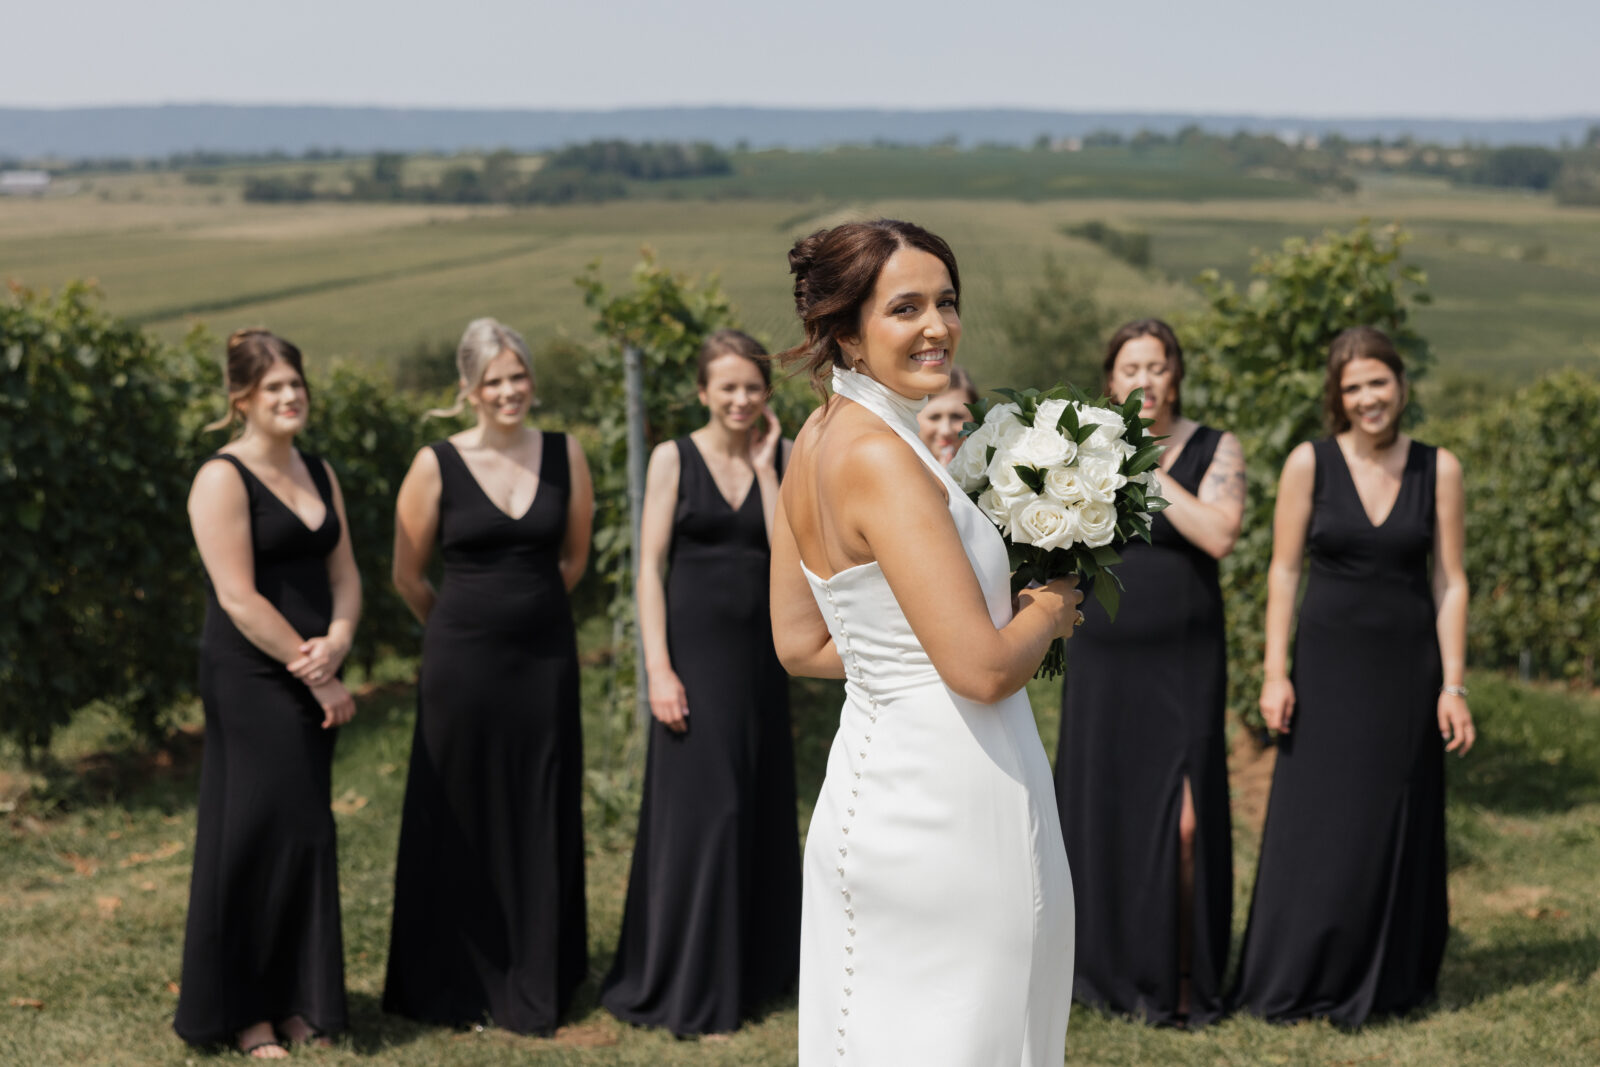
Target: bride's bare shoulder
pixel 849 449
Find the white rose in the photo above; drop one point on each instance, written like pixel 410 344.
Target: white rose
pixel 1005 422
pixel 1099 521
pixel 1049 413
pixel 1042 449
pixel 1046 523
pixel 1101 477
pixel 992 505
pixel 1003 478
pixel 968 464
pixel 1000 414
pixel 1108 426
pixel 1065 484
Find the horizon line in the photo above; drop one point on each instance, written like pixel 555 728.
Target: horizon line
pixel 1120 112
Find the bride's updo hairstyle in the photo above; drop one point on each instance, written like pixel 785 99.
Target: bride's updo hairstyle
pixel 1359 342
pixel 835 272
pixel 251 353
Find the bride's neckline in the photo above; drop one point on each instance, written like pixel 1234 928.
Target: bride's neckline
pixel 878 398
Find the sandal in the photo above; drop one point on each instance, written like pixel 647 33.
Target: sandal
pixel 304 1034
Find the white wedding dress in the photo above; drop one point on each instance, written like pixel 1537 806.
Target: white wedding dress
pixel 937 926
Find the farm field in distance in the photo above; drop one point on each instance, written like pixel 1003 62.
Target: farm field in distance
pixel 1515 278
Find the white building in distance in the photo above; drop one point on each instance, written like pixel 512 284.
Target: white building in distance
pixel 24 182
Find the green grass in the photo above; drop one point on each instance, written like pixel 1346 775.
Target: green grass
pixel 1513 276
pixel 94 866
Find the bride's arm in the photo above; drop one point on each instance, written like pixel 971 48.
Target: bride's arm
pixel 799 634
pixel 900 511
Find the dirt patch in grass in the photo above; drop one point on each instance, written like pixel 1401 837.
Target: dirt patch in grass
pixel 1250 773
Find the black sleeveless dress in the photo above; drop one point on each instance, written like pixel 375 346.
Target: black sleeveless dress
pixel 1142 710
pixel 711 928
pixel 262 940
pixel 1349 916
pixel 489 911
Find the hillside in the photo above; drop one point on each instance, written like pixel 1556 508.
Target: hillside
pixel 161 130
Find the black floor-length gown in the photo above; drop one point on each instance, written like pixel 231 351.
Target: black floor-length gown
pixel 712 924
pixel 489 911
pixel 262 940
pixel 1142 711
pixel 1349 915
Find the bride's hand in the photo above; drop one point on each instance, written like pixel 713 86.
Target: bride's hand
pixel 1060 596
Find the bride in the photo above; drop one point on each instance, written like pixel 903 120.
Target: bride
pixel 937 924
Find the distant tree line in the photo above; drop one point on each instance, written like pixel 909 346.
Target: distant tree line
pixel 1571 172
pixel 599 170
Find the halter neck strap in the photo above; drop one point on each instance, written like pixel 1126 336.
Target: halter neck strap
pixel 896 410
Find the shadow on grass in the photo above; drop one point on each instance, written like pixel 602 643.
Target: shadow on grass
pixel 164 775
pixel 1477 972
pixel 373 1032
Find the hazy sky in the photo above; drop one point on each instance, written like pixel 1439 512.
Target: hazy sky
pixel 1464 58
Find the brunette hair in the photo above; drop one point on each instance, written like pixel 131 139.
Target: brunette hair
pixel 731 343
pixel 251 353
pixel 1130 331
pixel 1357 342
pixel 481 342
pixel 960 379
pixel 835 272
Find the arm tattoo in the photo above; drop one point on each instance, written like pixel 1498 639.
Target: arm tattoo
pixel 1225 478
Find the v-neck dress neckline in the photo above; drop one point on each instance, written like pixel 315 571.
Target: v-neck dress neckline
pixel 1350 480
pixel 473 478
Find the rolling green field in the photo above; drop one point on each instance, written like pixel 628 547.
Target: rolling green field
pixel 1516 280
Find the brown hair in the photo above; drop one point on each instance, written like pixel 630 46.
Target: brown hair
pixel 251 353
pixel 731 343
pixel 1358 342
pixel 1130 331
pixel 835 272
pixel 960 379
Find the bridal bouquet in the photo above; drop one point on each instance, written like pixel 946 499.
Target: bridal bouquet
pixel 1067 480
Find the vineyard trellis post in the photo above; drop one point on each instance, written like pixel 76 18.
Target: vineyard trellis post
pixel 633 383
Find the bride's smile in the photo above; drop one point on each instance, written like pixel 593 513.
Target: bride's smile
pixel 909 327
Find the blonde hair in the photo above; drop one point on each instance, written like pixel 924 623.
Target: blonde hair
pixel 481 342
pixel 251 353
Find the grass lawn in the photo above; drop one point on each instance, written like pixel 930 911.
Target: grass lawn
pixel 95 854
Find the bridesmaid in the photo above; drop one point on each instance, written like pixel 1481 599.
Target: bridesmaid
pixel 712 924
pixel 262 949
pixel 489 912
pixel 1141 770
pixel 939 423
pixel 1350 915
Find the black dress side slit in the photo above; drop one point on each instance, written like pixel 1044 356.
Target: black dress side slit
pixel 1141 712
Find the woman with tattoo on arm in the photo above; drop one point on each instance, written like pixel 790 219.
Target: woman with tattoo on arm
pixel 1141 772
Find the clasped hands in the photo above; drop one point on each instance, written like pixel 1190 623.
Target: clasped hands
pixel 318 667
